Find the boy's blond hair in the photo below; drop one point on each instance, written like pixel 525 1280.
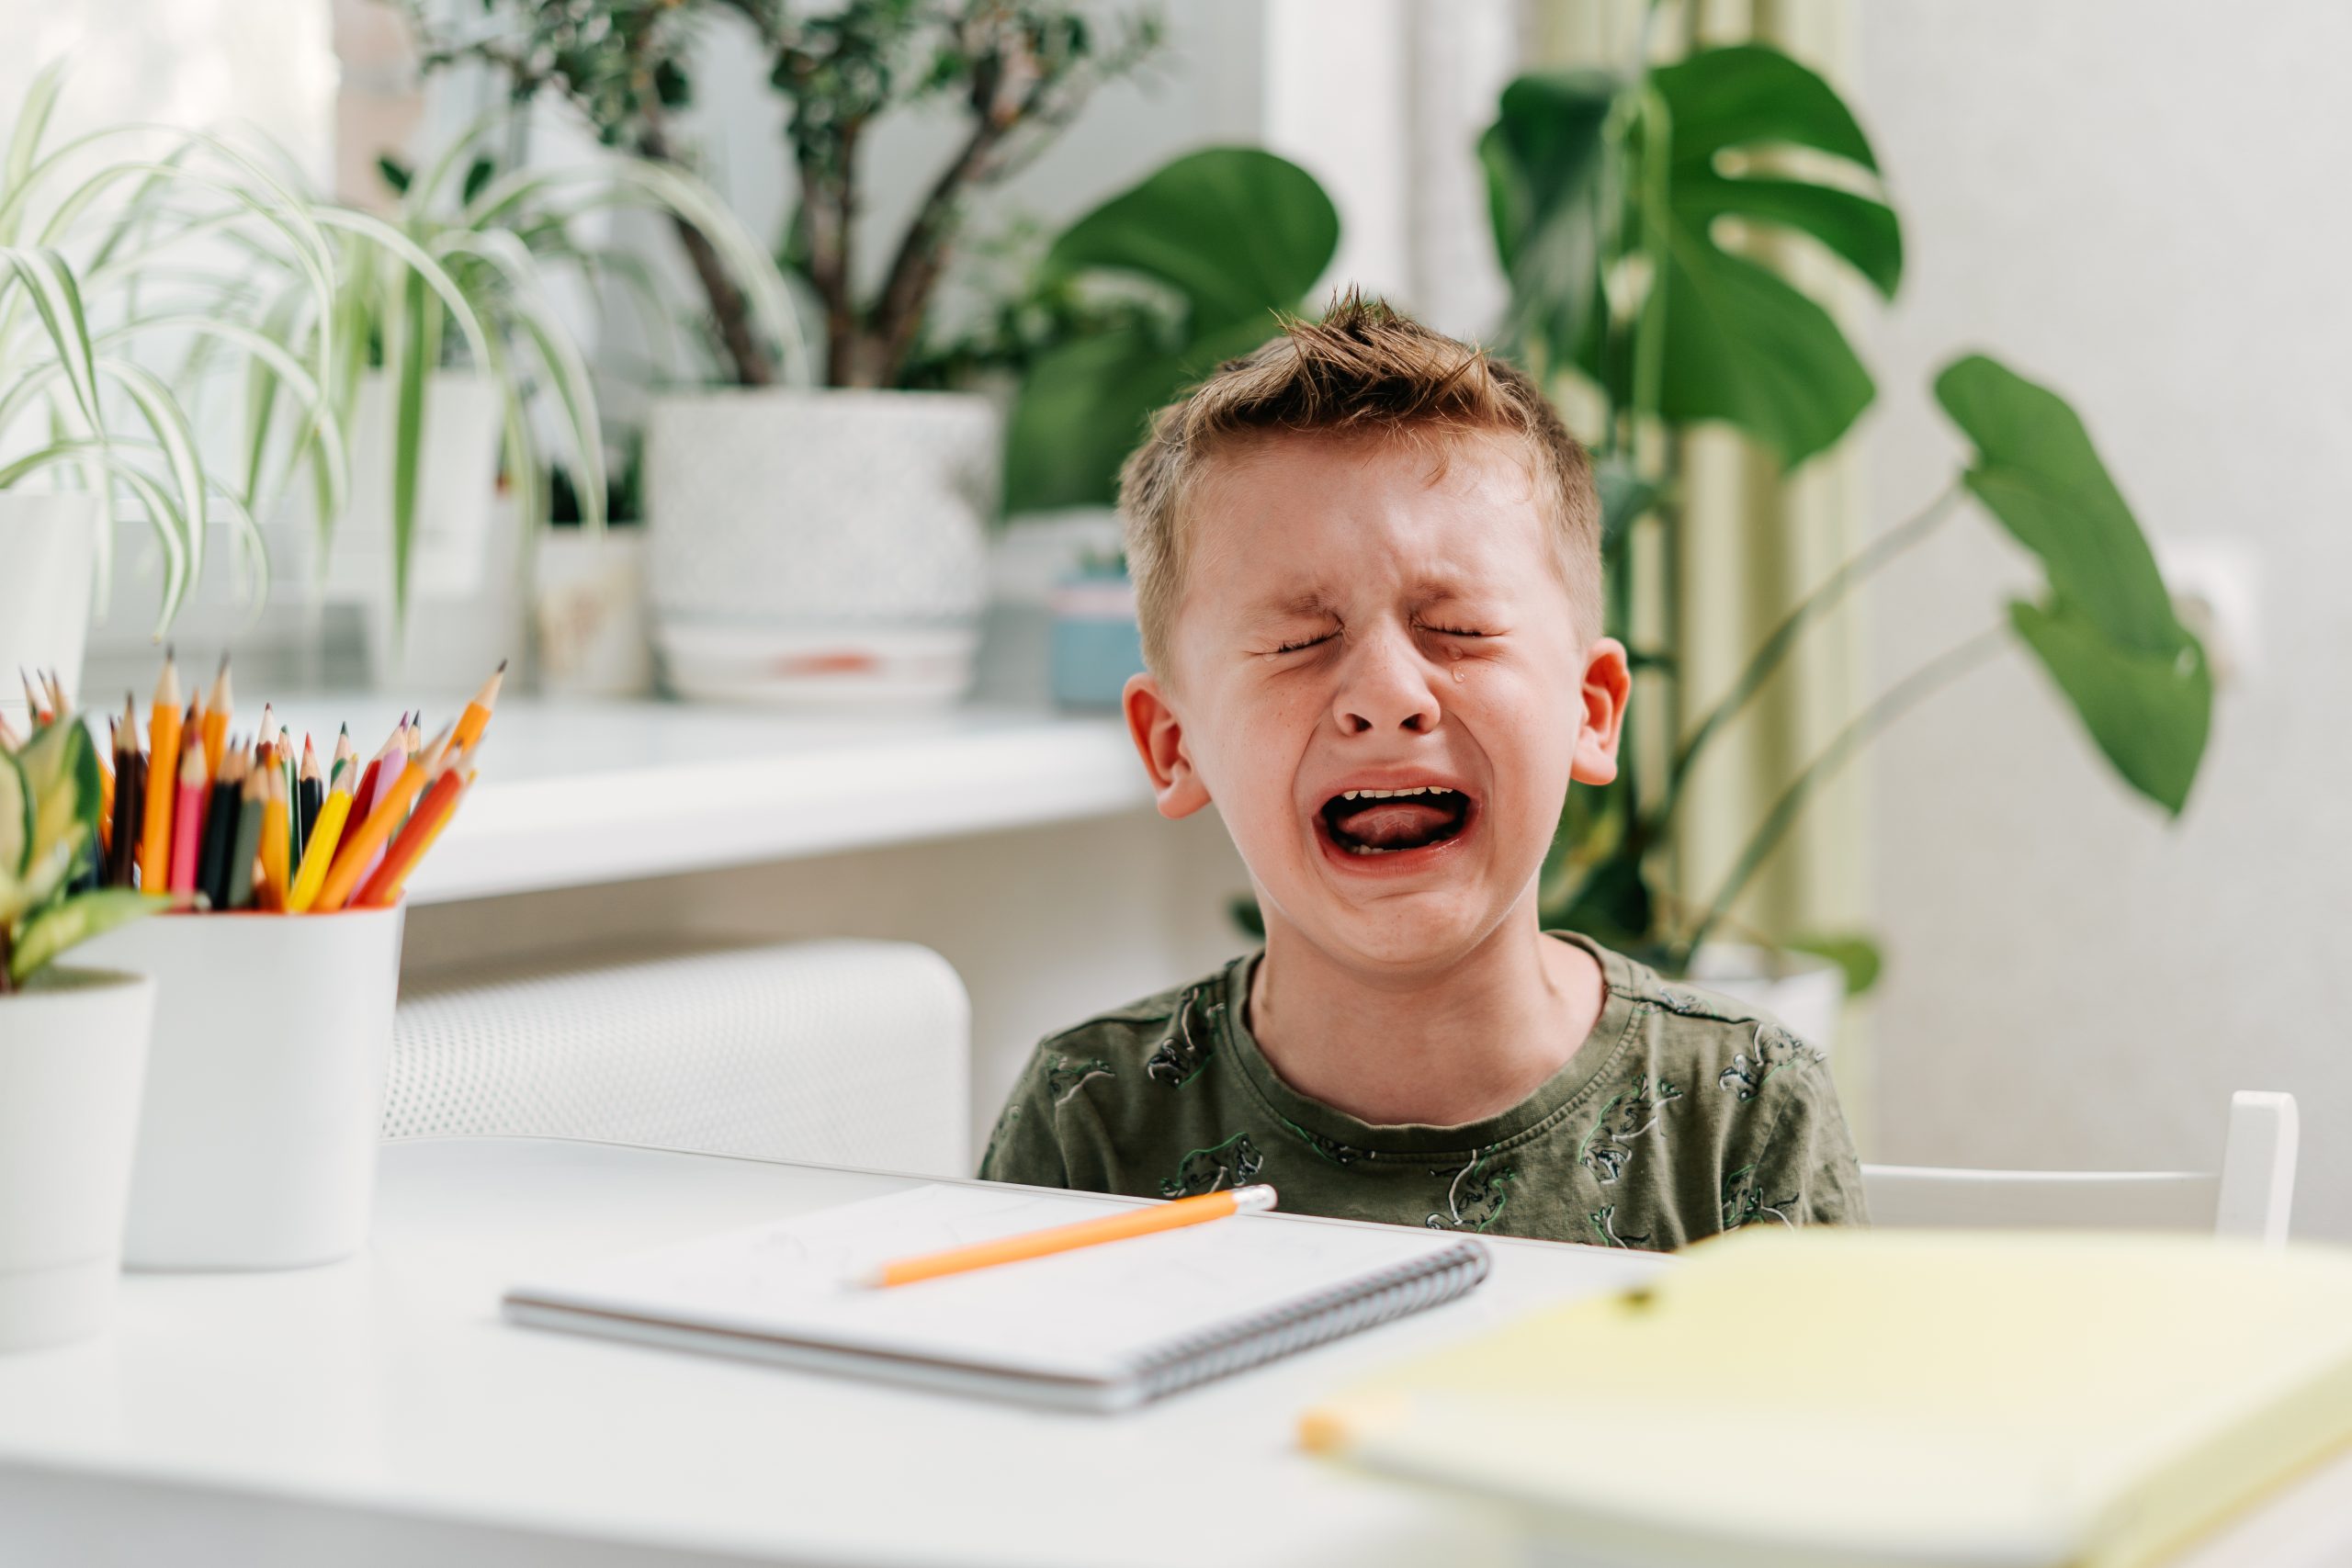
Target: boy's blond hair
pixel 1363 369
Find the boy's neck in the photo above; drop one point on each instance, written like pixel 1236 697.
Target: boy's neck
pixel 1466 1043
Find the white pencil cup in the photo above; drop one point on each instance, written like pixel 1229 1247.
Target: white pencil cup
pixel 265 1098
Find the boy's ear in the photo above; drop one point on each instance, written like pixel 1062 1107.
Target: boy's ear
pixel 1608 682
pixel 1158 736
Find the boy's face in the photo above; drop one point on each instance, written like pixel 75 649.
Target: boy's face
pixel 1349 625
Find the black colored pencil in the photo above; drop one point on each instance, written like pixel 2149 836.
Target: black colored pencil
pixel 220 833
pixel 129 813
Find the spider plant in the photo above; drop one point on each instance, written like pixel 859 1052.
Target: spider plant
pixel 467 251
pixel 105 241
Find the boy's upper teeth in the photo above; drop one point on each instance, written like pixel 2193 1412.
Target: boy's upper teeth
pixel 1387 794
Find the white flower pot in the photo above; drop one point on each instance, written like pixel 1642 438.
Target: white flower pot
pixel 47 554
pixel 1805 993
pixel 450 641
pixel 588 613
pixel 820 546
pixel 73 1047
pixel 456 478
pixel 265 1101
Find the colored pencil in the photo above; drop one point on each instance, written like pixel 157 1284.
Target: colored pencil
pixel 163 753
pixel 270 892
pixel 317 855
pixel 391 894
pixel 477 714
pixel 245 849
pixel 439 799
pixel 1184 1212
pixel 187 817
pixel 217 708
pixel 36 703
pixel 221 826
pixel 106 791
pixel 361 848
pixel 310 795
pixel 129 814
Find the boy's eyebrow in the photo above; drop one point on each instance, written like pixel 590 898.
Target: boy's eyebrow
pixel 1310 602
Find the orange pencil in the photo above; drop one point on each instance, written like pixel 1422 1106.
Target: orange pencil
pixel 216 720
pixel 187 821
pixel 1063 1238
pixel 477 714
pixel 440 799
pixel 162 747
pixel 270 894
pixel 359 849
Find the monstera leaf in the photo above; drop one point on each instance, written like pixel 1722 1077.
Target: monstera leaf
pixel 1231 235
pixel 2105 630
pixel 1742 344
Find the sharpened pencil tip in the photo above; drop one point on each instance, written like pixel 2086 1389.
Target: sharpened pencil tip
pixel 502 667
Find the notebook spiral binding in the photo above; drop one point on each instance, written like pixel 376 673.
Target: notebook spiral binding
pixel 1375 1299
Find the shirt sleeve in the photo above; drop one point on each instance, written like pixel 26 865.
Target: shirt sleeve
pixel 1805 1173
pixel 1023 1147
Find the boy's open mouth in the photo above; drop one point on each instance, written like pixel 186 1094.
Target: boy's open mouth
pixel 1384 821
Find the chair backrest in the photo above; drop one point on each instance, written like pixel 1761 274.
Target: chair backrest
pixel 844 1052
pixel 2253 1196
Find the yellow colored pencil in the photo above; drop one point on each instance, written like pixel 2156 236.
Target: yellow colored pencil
pixel 319 853
pixel 389 810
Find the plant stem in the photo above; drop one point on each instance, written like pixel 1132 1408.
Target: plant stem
pixel 1775 649
pixel 1898 699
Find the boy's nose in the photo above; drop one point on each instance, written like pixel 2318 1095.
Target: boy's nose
pixel 1384 685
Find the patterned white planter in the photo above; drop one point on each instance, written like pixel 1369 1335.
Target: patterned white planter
pixel 820 546
pixel 48 552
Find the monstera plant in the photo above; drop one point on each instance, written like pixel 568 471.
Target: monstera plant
pixel 1628 211
pixel 1144 294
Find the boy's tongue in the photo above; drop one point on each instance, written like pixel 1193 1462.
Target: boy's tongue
pixel 1384 823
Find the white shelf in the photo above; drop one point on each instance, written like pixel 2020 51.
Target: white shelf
pixel 578 794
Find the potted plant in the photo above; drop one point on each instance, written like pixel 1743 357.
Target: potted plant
pixel 588 628
pixel 73 1046
pixel 822 544
pixel 1615 197
pixel 103 271
pixel 451 337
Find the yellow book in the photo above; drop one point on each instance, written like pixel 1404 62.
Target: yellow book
pixel 1841 1398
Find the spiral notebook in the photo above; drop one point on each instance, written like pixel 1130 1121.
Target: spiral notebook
pixel 1103 1328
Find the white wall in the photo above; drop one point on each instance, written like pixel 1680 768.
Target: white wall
pixel 2141 202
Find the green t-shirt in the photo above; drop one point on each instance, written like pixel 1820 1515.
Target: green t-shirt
pixel 1684 1113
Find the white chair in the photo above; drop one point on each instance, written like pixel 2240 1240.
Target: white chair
pixel 2252 1197
pixel 837 1052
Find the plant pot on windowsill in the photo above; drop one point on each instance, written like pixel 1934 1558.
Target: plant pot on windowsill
pixel 73 1057
pixel 1096 643
pixel 588 623
pixel 819 547
pixel 48 553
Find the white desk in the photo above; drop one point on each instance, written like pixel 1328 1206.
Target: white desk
pixel 577 794
pixel 378 1413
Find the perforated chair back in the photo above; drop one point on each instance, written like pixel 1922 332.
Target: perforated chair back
pixel 842 1052
pixel 2253 1196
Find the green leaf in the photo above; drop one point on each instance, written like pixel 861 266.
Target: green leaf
pixel 1235 230
pixel 16 819
pixel 60 769
pixel 75 920
pixel 394 173
pixel 1546 158
pixel 2037 472
pixel 1745 347
pixel 1750 95
pixel 1742 345
pixel 1085 404
pixel 2148 711
pixel 1242 908
pixel 1855 953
